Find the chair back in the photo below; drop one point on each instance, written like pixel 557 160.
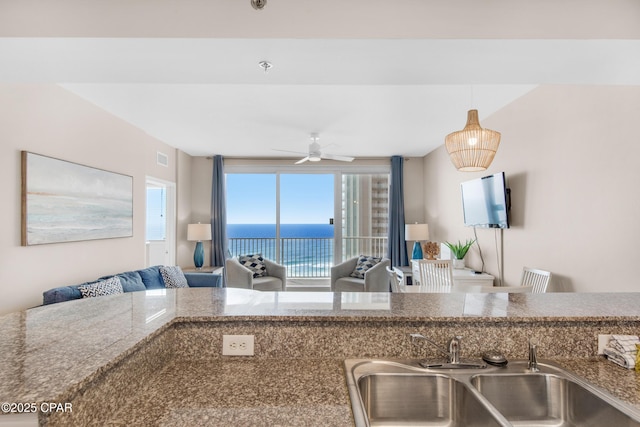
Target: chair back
pixel 396 286
pixel 435 275
pixel 506 289
pixel 537 279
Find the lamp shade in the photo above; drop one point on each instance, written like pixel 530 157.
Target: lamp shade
pixel 416 232
pixel 473 148
pixel 199 232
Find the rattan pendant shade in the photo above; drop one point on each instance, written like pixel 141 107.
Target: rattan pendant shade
pixel 473 148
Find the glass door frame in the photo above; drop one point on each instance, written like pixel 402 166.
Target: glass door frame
pixel 336 170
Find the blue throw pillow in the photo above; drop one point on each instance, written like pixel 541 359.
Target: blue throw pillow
pixel 61 294
pixel 130 280
pixel 152 278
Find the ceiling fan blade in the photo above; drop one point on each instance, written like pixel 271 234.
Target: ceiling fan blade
pixel 302 160
pixel 338 158
pixel 288 151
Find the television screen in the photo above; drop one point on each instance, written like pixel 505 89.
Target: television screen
pixel 484 202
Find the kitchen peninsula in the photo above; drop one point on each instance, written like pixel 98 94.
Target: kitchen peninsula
pixel 154 358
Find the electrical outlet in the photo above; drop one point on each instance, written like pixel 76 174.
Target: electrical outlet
pixel 603 340
pixel 237 345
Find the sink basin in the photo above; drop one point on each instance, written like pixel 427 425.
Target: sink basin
pixel 414 399
pixel 549 400
pixel 401 392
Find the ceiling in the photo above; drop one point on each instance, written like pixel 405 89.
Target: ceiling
pixel 366 97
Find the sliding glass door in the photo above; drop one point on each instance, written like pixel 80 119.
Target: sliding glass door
pixel 365 214
pixel 306 224
pixel 307 221
pixel 252 214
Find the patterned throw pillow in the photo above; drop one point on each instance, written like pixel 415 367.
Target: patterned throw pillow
pixel 255 263
pixel 110 286
pixel 173 277
pixel 364 263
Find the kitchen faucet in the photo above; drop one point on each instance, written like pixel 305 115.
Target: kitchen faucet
pixel 453 355
pixel 532 366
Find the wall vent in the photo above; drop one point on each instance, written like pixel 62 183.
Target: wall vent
pixel 162 159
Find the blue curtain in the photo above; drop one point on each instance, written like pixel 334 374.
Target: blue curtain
pixel 397 247
pixel 218 214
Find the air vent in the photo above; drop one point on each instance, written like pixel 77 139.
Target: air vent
pixel 162 159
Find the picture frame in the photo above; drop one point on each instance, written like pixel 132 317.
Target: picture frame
pixel 64 201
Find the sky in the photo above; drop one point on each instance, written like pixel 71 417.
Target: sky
pixel 304 198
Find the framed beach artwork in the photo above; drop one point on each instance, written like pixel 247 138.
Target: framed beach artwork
pixel 68 202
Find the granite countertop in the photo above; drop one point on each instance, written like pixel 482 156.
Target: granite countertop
pixel 49 350
pixel 275 392
pixel 285 392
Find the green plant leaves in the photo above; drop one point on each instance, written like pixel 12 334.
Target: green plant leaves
pixel 459 250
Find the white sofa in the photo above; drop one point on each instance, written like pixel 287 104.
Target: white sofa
pixel 239 276
pixel 376 279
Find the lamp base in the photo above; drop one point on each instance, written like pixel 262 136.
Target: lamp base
pixel 198 255
pixel 417 251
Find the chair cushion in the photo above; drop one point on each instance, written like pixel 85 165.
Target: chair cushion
pixel 364 263
pixel 255 263
pixel 349 284
pixel 173 277
pixel 267 283
pixel 110 286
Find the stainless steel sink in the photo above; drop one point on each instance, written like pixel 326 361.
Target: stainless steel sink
pixel 417 399
pixel 401 392
pixel 550 400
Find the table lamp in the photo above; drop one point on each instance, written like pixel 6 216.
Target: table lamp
pixel 416 232
pixel 198 232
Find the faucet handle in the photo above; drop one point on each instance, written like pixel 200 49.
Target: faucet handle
pixel 532 366
pixel 454 349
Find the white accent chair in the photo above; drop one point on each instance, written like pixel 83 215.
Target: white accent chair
pixel 376 279
pixel 435 275
pixel 239 276
pixel 537 279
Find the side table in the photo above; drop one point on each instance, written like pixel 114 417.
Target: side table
pixel 205 280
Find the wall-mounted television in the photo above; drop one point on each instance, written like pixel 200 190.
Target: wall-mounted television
pixel 485 202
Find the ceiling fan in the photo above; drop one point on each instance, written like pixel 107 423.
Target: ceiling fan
pixel 315 154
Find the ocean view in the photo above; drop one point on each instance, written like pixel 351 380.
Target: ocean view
pixel 286 230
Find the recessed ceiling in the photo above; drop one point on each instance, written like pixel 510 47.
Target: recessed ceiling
pixel 366 97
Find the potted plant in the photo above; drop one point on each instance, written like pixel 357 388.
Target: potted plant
pixel 459 250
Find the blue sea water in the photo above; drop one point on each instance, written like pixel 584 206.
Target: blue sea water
pixel 286 230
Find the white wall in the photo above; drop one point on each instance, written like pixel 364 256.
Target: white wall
pixel 570 154
pixel 184 248
pixel 48 120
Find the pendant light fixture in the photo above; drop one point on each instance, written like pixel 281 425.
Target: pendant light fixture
pixel 473 148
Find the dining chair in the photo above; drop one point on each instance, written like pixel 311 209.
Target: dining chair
pixel 435 275
pixel 506 289
pixel 396 286
pixel 537 279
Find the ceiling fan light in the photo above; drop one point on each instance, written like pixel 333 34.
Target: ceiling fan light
pixel 473 148
pixel 314 158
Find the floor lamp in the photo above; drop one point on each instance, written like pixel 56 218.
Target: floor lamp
pixel 198 232
pixel 416 232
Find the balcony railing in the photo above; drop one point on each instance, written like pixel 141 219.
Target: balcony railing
pixel 307 257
